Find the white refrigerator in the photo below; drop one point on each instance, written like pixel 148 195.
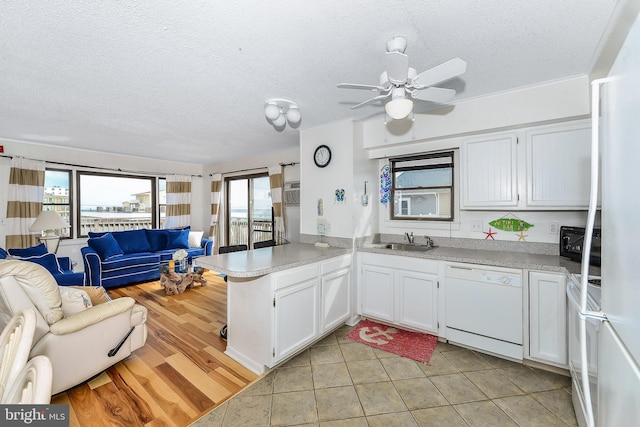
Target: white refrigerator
pixel 616 158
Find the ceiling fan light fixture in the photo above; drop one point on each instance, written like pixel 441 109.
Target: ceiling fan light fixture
pixel 399 108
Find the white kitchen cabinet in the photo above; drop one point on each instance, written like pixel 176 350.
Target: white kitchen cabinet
pixel 417 300
pixel 399 290
pixel 296 317
pixel 550 171
pixel 377 292
pixel 273 316
pixel 335 293
pixel 558 165
pixel 548 318
pixel 489 171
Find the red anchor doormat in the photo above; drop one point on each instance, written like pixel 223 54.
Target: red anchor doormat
pixel 414 345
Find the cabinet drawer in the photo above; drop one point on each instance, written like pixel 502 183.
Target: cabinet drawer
pixel 335 264
pixel 296 275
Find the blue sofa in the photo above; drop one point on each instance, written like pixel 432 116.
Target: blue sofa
pixel 59 267
pixel 124 257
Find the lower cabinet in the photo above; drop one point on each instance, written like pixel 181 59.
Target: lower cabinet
pixel 548 318
pixel 399 290
pixel 272 317
pixel 296 317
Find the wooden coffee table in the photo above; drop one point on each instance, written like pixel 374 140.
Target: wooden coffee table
pixel 176 283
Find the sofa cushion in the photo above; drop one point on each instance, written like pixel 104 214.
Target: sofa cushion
pixel 74 300
pixel 40 249
pixel 48 261
pixel 195 239
pixel 106 246
pixel 132 241
pixel 157 239
pixel 178 239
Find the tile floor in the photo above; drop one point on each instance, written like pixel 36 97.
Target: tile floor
pixel 338 382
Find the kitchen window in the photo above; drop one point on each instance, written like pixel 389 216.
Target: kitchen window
pixel 422 187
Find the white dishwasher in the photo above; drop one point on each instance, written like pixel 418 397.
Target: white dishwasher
pixel 483 308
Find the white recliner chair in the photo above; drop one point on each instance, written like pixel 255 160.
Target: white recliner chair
pixel 81 338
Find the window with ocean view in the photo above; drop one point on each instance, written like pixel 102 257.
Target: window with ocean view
pixel 116 202
pixel 57 196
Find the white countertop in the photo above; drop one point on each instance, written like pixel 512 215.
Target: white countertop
pixel 259 262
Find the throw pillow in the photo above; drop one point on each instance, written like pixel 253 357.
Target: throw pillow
pixel 3 254
pixel 40 249
pixel 106 246
pixel 48 261
pixel 74 300
pixel 178 239
pixel 157 239
pixel 194 238
pixel 132 241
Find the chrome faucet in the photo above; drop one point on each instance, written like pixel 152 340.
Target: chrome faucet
pixel 409 237
pixel 429 243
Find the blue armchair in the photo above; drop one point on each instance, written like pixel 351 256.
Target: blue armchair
pixel 60 267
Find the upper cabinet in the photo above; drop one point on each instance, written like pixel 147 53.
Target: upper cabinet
pixel 544 168
pixel 559 165
pixel 489 171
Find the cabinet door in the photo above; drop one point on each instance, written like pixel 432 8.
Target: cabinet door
pixel 335 295
pixel 489 172
pixel 548 318
pixel 417 301
pixel 377 292
pixel 558 166
pixel 296 318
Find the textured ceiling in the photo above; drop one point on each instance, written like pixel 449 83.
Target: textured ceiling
pixel 187 80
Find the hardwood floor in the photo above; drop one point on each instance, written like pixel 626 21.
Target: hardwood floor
pixel 180 374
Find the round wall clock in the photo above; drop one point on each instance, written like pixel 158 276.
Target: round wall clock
pixel 322 156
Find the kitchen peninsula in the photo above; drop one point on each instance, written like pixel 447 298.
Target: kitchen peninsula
pixel 281 299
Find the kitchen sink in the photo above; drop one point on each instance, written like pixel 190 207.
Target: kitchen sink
pixel 408 247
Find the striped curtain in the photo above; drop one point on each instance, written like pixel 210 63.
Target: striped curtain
pixel 216 192
pixel 276 181
pixel 178 201
pixel 24 201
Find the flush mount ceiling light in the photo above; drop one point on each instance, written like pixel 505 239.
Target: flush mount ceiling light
pixel 279 112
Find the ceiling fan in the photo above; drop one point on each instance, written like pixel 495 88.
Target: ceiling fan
pixel 403 84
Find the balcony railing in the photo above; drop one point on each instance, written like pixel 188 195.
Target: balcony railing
pixel 113 224
pixel 239 231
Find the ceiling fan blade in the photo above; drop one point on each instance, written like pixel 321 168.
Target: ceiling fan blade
pixel 440 73
pixel 372 100
pixel 397 67
pixel 434 94
pixel 359 86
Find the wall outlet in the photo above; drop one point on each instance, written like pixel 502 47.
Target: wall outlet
pixel 554 228
pixel 475 226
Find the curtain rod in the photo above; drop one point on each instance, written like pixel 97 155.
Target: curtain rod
pixel 262 167
pixel 97 167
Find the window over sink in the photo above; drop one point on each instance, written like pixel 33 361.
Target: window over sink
pixel 422 187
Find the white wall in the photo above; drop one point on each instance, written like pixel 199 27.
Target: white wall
pixel 49 154
pixel 539 104
pixel 256 164
pixel 321 183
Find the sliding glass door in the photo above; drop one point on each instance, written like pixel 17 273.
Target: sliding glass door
pixel 249 216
